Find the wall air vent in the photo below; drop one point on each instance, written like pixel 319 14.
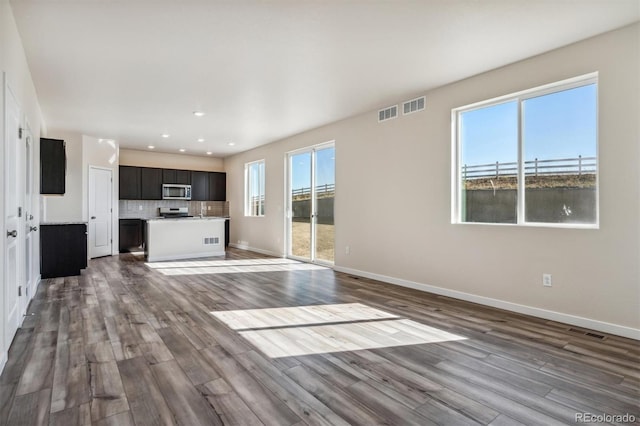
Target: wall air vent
pixel 413 105
pixel 211 240
pixel 388 113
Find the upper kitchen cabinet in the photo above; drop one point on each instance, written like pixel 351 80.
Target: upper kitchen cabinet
pixel 169 176
pixel 53 166
pixel 217 186
pixel 199 186
pixel 150 183
pixel 129 183
pixel 182 177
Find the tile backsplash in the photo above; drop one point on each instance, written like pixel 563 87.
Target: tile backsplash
pixel 146 209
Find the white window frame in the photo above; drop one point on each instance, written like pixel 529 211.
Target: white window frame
pixel 456 175
pixel 248 211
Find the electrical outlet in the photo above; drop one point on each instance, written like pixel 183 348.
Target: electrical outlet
pixel 139 207
pixel 347 250
pixel 208 207
pixel 546 280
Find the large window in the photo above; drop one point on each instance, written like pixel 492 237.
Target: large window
pixel 254 188
pixel 529 158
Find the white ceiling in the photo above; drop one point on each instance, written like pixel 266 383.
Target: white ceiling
pixel 132 70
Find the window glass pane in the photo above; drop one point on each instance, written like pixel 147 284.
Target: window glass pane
pixel 489 163
pixel 559 141
pixel 255 189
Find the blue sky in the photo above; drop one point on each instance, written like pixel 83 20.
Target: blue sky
pixel 558 125
pixel 325 168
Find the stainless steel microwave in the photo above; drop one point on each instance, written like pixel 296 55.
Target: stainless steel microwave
pixel 174 191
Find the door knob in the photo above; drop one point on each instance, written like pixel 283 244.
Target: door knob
pixel 33 228
pixel 93 217
pixel 13 233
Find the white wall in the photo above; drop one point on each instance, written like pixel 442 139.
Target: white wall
pixel 133 157
pixel 67 207
pixel 393 199
pixel 101 153
pixel 13 62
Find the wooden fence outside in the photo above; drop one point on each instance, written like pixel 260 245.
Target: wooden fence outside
pixel 561 166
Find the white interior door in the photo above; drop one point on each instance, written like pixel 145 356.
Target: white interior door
pixel 100 211
pixel 29 226
pixel 14 231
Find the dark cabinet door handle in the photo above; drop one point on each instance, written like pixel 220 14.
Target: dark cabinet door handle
pixel 13 233
pixel 93 217
pixel 33 228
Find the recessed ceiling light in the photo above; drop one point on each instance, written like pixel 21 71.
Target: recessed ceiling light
pixel 200 139
pixel 209 152
pixel 165 135
pixel 198 113
pixel 151 147
pixel 182 150
pixel 231 143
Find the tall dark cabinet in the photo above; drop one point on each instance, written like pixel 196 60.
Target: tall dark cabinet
pixel 53 166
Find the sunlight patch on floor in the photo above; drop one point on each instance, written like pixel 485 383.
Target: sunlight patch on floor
pixel 223 266
pixel 306 330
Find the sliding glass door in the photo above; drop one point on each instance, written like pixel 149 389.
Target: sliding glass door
pixel 311 191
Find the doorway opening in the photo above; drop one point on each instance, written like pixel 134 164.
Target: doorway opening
pixel 311 192
pixel 100 212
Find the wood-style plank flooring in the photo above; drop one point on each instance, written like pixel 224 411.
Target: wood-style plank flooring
pixel 126 344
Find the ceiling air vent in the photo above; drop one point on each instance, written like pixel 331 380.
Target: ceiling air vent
pixel 388 113
pixel 413 105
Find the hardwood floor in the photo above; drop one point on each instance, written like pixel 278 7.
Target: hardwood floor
pixel 126 344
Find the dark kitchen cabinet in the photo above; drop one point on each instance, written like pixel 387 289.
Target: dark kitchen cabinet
pixel 131 235
pixel 182 177
pixel 226 232
pixel 63 250
pixel 150 183
pixel 129 183
pixel 169 176
pixel 217 186
pixel 53 166
pixel 199 186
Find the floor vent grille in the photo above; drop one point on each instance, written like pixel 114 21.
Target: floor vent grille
pixel 587 333
pixel 597 336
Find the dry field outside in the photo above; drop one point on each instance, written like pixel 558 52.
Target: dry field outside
pixel 301 240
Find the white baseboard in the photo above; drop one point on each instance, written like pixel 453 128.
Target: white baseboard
pixel 618 330
pixel 257 250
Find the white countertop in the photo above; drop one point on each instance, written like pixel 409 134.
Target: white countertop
pixel 179 219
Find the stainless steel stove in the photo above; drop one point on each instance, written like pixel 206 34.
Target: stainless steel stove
pixel 174 212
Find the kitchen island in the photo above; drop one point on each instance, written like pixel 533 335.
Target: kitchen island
pixel 184 238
